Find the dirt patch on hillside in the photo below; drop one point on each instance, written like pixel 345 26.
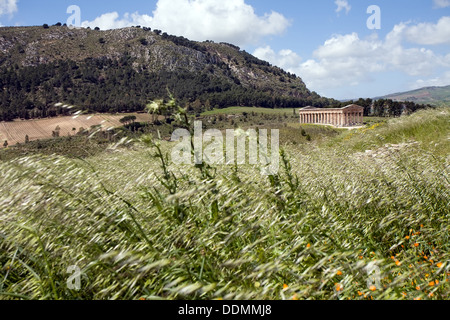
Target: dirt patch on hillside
pixel 14 132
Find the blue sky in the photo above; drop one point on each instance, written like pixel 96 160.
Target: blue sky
pixel 326 42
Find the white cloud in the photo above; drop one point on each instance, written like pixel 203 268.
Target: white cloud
pixel 341 5
pixel 111 21
pixel 347 60
pixel 442 80
pixel 441 3
pixel 229 21
pixel 286 59
pixel 429 33
pixel 8 7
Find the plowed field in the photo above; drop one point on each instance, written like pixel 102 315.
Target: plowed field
pixel 15 132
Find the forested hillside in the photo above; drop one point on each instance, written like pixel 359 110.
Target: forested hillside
pixel 121 70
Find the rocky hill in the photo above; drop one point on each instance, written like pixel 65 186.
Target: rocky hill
pixel 121 70
pixel 429 95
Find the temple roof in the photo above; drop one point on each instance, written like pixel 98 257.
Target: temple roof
pixel 350 106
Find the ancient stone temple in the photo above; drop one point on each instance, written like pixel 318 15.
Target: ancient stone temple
pixel 349 116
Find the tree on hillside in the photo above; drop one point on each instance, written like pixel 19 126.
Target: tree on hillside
pixel 5 144
pixel 56 133
pixel 128 120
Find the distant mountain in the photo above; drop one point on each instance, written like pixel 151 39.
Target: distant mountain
pixel 121 70
pixel 429 95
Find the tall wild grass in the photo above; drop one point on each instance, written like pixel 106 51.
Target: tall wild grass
pixel 140 227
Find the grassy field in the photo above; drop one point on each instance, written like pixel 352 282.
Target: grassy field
pixel 351 215
pixel 240 110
